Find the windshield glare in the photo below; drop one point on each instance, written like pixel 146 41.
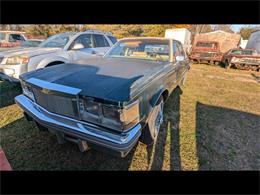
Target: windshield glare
pixel 59 40
pixel 157 50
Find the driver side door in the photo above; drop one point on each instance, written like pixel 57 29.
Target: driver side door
pixel 85 52
pixel 182 60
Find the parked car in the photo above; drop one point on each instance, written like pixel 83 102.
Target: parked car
pixel 32 43
pixel 57 49
pixel 11 38
pixel 107 101
pixel 206 51
pixel 246 59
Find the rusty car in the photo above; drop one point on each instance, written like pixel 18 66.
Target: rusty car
pixel 207 52
pixel 109 101
pixel 244 59
pixel 10 39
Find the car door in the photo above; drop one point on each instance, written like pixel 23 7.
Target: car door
pixel 82 53
pixel 101 44
pixel 182 60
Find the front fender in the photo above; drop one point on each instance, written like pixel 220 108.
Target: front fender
pixel 156 97
pixel 47 61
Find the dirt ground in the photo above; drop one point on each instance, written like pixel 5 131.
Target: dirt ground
pixel 214 124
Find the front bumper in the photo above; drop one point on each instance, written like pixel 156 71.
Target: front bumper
pixel 121 143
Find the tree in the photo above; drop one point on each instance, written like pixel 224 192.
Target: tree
pixel 197 29
pixel 245 32
pixel 225 27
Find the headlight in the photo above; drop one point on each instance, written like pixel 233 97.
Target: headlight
pixel 17 60
pixel 27 90
pixel 109 115
pixel 234 59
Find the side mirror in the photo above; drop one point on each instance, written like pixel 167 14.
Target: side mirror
pixel 77 46
pixel 180 58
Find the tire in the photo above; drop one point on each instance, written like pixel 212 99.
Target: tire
pixel 152 128
pixel 227 64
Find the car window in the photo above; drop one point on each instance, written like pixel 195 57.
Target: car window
pixel 112 39
pixel 85 40
pixel 243 52
pixel 145 49
pixel 15 37
pixel 180 49
pixel 176 49
pixel 100 41
pixel 58 40
pixel 205 44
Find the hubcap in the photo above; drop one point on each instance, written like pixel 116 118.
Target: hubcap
pixel 159 119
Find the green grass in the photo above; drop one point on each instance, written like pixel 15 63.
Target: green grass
pixel 213 125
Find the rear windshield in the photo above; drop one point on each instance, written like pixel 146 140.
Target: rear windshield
pixel 209 45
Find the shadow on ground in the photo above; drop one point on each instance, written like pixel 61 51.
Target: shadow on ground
pixel 36 150
pixel 172 109
pixel 227 139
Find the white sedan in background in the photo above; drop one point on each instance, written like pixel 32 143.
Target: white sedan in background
pixel 57 49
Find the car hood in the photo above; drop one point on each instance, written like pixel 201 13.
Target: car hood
pixel 30 51
pixel 103 78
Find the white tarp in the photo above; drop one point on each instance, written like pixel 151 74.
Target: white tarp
pixel 180 34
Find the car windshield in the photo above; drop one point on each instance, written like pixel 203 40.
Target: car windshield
pixel 2 36
pixel 204 44
pixel 30 43
pixel 146 49
pixel 59 40
pixel 244 52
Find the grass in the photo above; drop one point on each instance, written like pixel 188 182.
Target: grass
pixel 213 125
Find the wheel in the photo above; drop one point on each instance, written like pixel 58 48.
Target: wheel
pixel 227 64
pixel 216 63
pixel 151 130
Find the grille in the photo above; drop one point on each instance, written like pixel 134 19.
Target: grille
pixel 246 60
pixel 58 104
pixel 207 55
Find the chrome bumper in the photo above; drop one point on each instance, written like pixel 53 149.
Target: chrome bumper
pixel 118 142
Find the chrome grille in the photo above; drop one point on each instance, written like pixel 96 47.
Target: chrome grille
pixel 58 104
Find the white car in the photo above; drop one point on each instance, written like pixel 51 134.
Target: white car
pixel 57 49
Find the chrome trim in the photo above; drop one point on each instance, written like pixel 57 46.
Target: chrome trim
pixel 93 131
pixel 54 86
